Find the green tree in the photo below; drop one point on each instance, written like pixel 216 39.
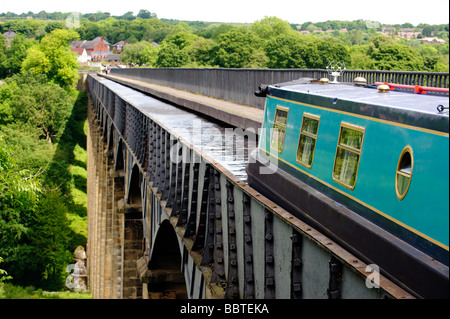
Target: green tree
pixel 285 52
pixel 299 51
pixel 3 274
pixel 174 49
pixel 386 54
pixel 237 49
pixel 14 55
pixel 145 14
pixel 181 39
pixel 53 58
pixel 271 27
pixel 33 226
pixel 2 50
pixel 29 99
pixel 127 16
pixel 202 53
pixel 359 59
pixel 50 237
pixel 140 53
pixel 170 55
pixel 19 191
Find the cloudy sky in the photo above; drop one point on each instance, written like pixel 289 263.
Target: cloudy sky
pixel 298 11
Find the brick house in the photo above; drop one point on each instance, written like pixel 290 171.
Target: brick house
pixel 96 50
pixel 82 55
pixel 119 46
pixel 99 44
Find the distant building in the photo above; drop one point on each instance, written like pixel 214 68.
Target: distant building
pixel 82 55
pixel 404 33
pixel 113 59
pixel 94 50
pixel 387 29
pixel 98 56
pixel 9 36
pixel 408 34
pixel 99 44
pixel 432 40
pixel 119 46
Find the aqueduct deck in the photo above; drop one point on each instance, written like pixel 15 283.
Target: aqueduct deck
pixel 171 215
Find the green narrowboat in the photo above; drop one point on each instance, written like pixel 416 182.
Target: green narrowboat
pixel 369 168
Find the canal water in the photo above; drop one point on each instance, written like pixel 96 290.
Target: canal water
pixel 229 146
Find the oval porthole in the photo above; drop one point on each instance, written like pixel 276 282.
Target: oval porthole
pixel 404 172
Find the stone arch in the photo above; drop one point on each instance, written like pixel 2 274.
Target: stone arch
pixel 165 278
pixel 104 125
pixel 120 158
pixel 133 236
pixel 134 190
pixel 111 140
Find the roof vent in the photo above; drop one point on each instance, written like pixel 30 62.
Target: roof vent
pixel 383 88
pixel 360 81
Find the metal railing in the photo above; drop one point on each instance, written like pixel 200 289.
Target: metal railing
pixel 238 85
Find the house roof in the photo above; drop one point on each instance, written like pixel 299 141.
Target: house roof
pixel 113 56
pixel 432 39
pixel 89 45
pixel 9 34
pixel 122 43
pixel 79 51
pixel 101 52
pixel 78 44
pixel 97 40
pixel 99 55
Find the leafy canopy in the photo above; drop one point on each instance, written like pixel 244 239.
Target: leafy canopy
pixel 53 58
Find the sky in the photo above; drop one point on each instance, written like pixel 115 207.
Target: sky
pixel 245 11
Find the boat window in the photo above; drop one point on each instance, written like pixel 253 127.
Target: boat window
pixel 348 154
pixel 307 140
pixel 279 128
pixel 404 172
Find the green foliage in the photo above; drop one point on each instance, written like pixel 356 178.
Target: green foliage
pixel 139 54
pixel 386 54
pixel 19 195
pixel 174 49
pixel 29 99
pixel 40 220
pixel 170 55
pixel 202 52
pixel 271 27
pixel 10 291
pixel 3 275
pixel 237 48
pixel 11 58
pixel 299 51
pixel 50 237
pixel 53 58
pixel 269 42
pixel 36 239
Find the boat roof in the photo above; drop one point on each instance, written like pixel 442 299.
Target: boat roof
pixel 370 95
pixel 425 110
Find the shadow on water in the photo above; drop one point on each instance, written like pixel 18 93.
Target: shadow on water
pixel 67 169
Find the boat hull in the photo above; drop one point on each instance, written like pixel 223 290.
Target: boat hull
pixel 398 260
